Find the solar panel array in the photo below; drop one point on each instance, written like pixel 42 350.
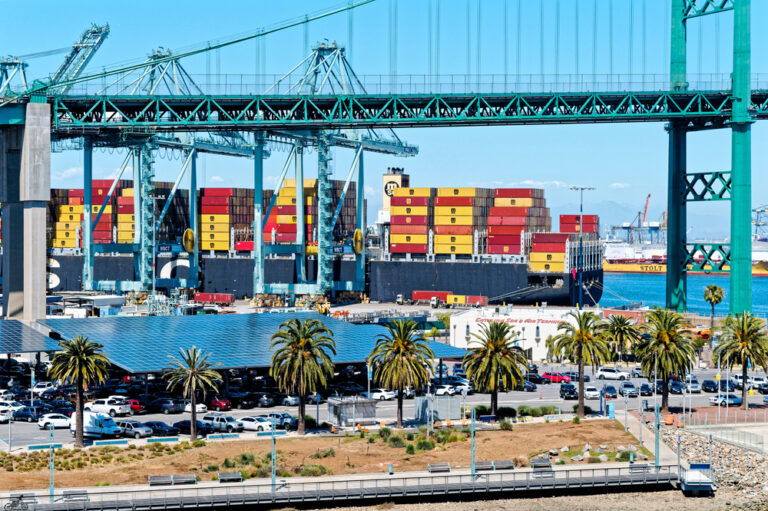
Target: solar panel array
pixel 16 337
pixel 144 343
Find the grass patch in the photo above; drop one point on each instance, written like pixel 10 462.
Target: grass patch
pixel 314 471
pixel 384 433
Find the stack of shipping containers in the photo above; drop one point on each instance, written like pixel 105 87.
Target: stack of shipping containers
pixel 547 251
pixel 459 213
pixel 287 211
pixel 589 225
pixel 410 220
pixel 175 221
pixel 126 219
pixel 215 207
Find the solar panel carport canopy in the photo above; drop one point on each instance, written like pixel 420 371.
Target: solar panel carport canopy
pixel 142 344
pixel 16 337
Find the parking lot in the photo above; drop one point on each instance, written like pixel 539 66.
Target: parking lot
pixel 24 434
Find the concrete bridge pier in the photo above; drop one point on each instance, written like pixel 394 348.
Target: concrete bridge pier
pixel 25 187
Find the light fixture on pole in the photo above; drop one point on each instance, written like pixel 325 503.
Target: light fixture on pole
pixel 580 264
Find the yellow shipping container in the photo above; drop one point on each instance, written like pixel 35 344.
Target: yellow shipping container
pixel 126 226
pixel 124 237
pixel 409 210
pixel 71 234
pixel 64 217
pixel 291 183
pixel 546 257
pixel 453 249
pixel 96 207
pixel 408 238
pixel 454 220
pixel 456 210
pixel 214 245
pixel 64 243
pixel 291 219
pixel 516 202
pixel 206 227
pixel 453 239
pixel 214 236
pixel 214 219
pixel 459 192
pixel 127 192
pixel 66 209
pixel 125 218
pixel 556 267
pixel 412 192
pixel 66 226
pixel 291 192
pixel 291 201
pixel 456 299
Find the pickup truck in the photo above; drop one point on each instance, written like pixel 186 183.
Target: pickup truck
pixel 112 407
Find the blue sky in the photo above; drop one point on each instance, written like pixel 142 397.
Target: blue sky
pixel 624 161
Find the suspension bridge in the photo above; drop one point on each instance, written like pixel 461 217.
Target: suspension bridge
pixel 321 102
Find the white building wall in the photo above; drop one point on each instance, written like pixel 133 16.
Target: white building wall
pixel 532 324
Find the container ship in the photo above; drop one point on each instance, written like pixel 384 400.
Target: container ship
pixel 477 245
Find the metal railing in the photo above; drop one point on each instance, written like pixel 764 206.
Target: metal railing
pixel 391 487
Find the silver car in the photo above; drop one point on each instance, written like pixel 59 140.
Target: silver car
pixel 135 429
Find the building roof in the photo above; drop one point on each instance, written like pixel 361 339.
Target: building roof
pixel 141 344
pixel 16 337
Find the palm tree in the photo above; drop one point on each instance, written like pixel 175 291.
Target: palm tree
pixel 400 360
pixel 582 341
pixel 301 364
pixel 193 373
pixel 666 349
pixel 743 341
pixel 622 333
pixel 713 294
pixel 82 362
pixel 494 361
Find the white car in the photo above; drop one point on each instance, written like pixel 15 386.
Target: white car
pixel 41 387
pixel 290 401
pixel 113 407
pixel 11 405
pixel 591 393
pixel 610 373
pixel 5 415
pixel 445 390
pixel 758 381
pixel 56 420
pixel 737 381
pixel 256 423
pixel 200 407
pixel 460 387
pixel 380 394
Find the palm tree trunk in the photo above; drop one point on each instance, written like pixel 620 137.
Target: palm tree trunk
pixel 79 443
pixel 744 386
pixel 400 409
pixel 580 411
pixel 665 393
pixel 494 401
pixel 302 422
pixel 711 325
pixel 193 424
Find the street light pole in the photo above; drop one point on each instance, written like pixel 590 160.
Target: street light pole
pixel 50 465
pixel 472 431
pixel 580 263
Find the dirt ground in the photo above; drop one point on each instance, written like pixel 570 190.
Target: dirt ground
pixel 352 455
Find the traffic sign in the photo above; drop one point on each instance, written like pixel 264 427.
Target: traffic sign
pixel 717 376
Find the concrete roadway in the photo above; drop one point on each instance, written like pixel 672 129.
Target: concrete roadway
pixel 24 434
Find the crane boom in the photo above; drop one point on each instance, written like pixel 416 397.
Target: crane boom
pixel 81 53
pixel 645 211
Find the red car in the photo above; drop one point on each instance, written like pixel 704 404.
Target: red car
pixel 219 404
pixel 557 377
pixel 137 406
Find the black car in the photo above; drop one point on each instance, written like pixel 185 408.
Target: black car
pixel 162 429
pixel 536 378
pixel 709 386
pixel 762 388
pixel 609 391
pixel 727 386
pixel 202 429
pixel 574 376
pixel 533 368
pixel 64 410
pixel 675 387
pixel 37 403
pixel 568 391
pixel 526 386
pixel 27 414
pixel 646 389
pixel 61 403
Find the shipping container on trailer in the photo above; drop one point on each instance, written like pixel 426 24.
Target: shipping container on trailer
pixel 426 296
pixel 215 298
pixel 456 299
pixel 478 301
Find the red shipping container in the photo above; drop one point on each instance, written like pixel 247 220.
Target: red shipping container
pixel 103 227
pixel 214 201
pixel 508 220
pixel 285 237
pixel 550 237
pixel 574 219
pixel 125 201
pixel 508 211
pixel 454 201
pixel 505 229
pixel 214 298
pixel 514 192
pixel 75 192
pixel 504 249
pixel 453 229
pixel 548 247
pixel 218 192
pixel 574 228
pixel 75 201
pixel 477 300
pixel 291 210
pixel 102 242
pixel 407 248
pixel 244 245
pixel 214 210
pixel 125 210
pixel 426 296
pixel 409 201
pixel 283 228
pixel 409 229
pixel 103 183
pixel 510 239
pixel 102 235
pixel 409 220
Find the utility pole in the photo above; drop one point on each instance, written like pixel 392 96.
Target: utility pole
pixel 580 264
pixel 472 431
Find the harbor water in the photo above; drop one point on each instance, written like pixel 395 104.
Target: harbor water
pixel 624 288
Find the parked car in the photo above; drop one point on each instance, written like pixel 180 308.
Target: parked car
pixel 556 377
pixel 241 400
pixel 199 407
pixel 692 384
pixel 219 403
pixel 461 387
pixel 574 376
pixel 380 394
pixel 64 410
pixel 256 423
pixel 352 389
pixel 725 399
pixel 533 368
pixel 263 399
pixel 675 387
pixel 161 428
pixel 27 413
pixel 758 381
pixel 709 386
pixel 591 393
pixel 37 403
pixel 5 415
pixel 289 400
pixel 762 388
pixel 56 420
pixel 646 389
pixel 408 393
pixel 628 389
pixel 727 386
pixel 317 398
pixel 112 407
pixel 637 372
pixel 134 429
pixel 42 386
pixel 535 378
pixel 96 425
pixel 11 405
pixel 201 428
pixel 166 405
pixel 526 386
pixel 610 373
pixel 445 390
pixel 221 422
pixel 609 391
pixel 568 391
pixel 284 420
pixel 739 383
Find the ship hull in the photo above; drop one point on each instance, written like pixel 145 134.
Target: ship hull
pixel 758 269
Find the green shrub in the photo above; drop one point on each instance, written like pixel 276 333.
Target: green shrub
pixel 467 431
pixel 425 445
pixel 102 483
pixel 409 436
pixel 396 441
pixel 310 422
pixel 313 470
pixel 245 458
pixel 362 433
pixel 524 411
pixel 384 433
pixel 587 409
pixel 212 468
pixel 576 420
pixel 623 456
pixel 505 425
pixel 560 462
pixel 198 443
pixel 593 459
pixel 409 449
pixel 261 472
pixel 506 412
pixel 228 463
pixel 371 439
pixel 549 410
pixel 245 475
pixel 482 410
